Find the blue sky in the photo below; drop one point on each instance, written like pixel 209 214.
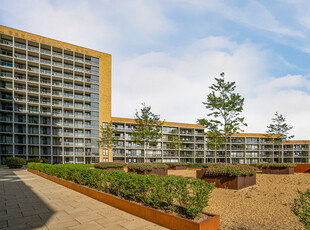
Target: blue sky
pixel 167 53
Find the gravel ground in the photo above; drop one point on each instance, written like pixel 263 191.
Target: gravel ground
pixel 263 206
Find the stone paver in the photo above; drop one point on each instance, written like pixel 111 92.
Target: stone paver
pixel 28 201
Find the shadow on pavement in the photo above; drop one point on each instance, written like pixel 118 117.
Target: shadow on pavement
pixel 20 207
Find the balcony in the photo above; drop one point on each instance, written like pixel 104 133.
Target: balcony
pixel 7 64
pixel 45 71
pixel 20 45
pixel 20 66
pixel 57 54
pixel 33 48
pixel 6 42
pixel 66 56
pixel 68 66
pixel 33 59
pixel 45 51
pixel 6 53
pixel 78 59
pixel 6 74
pixel 45 61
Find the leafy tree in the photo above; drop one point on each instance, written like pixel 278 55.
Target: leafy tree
pixel 148 128
pixel 279 127
pixel 108 140
pixel 224 118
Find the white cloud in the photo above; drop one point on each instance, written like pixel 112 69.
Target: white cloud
pixel 251 13
pixel 97 24
pixel 176 86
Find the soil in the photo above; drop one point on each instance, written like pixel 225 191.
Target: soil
pixel 265 205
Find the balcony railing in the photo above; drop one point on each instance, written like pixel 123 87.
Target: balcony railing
pixel 6 42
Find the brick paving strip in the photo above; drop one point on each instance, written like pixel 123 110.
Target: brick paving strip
pixel 28 201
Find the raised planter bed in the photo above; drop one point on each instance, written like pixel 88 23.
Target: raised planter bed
pixel 15 166
pixel 227 181
pixel 302 168
pixel 156 216
pixel 178 167
pixel 278 170
pixel 159 171
pixel 194 167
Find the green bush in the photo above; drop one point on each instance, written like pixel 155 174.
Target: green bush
pixel 14 161
pixel 202 165
pixel 176 164
pixel 278 165
pixel 146 166
pixel 185 196
pixel 231 170
pixel 301 207
pixel 38 160
pixel 105 165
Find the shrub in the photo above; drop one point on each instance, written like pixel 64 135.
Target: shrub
pixel 146 166
pixel 38 160
pixel 202 165
pixel 278 165
pixel 106 165
pixel 14 161
pixel 177 164
pixel 231 170
pixel 301 207
pixel 185 196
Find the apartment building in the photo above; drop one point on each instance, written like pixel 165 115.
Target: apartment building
pixel 53 98
pixel 242 147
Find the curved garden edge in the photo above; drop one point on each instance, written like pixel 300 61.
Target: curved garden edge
pixel 150 214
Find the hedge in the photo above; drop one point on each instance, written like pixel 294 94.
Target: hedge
pixel 278 165
pixel 146 166
pixel 14 161
pixel 38 160
pixel 231 170
pixel 185 196
pixel 106 165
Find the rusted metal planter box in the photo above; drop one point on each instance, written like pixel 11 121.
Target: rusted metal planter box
pixel 156 216
pixel 15 166
pixel 177 167
pixel 226 181
pixel 276 170
pixel 302 168
pixel 160 172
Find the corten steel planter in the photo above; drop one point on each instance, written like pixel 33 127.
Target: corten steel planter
pixel 177 167
pixel 276 170
pixel 15 166
pixel 156 216
pixel 302 168
pixel 160 171
pixel 194 167
pixel 226 181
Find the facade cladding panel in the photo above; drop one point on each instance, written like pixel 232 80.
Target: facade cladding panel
pixel 53 96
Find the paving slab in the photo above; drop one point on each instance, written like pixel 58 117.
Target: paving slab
pixel 28 201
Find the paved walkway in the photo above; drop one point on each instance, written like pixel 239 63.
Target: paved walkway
pixel 28 201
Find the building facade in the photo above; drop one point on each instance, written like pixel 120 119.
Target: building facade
pixel 53 98
pixel 242 147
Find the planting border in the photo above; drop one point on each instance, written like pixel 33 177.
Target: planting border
pixel 156 216
pixel 227 181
